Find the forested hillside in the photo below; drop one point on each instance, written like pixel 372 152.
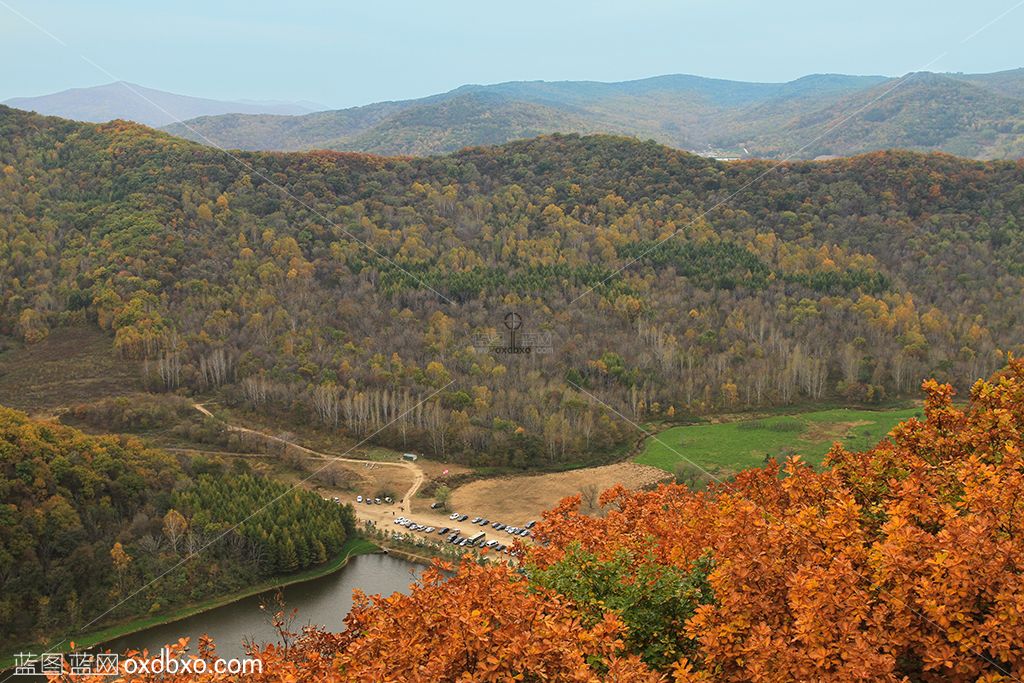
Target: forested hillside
pixel 680 110
pixel 922 112
pixel 974 115
pixel 901 563
pixel 100 529
pixel 353 290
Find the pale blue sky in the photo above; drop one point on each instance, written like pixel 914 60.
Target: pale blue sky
pixel 343 53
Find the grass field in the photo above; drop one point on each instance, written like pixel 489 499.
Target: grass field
pixel 734 446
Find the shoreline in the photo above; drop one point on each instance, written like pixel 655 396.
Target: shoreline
pixel 352 548
pixel 408 556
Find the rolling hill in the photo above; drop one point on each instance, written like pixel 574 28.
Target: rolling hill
pixel 123 100
pixel 925 112
pixel 978 116
pixel 352 291
pixel 346 289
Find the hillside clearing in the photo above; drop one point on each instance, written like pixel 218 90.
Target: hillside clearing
pixel 734 446
pixel 72 365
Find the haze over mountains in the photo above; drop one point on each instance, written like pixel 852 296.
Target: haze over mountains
pixel 123 100
pixel 978 115
pixel 972 115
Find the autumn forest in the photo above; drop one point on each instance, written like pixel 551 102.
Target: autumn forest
pixel 352 291
pixel 386 301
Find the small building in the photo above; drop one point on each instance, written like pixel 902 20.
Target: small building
pixel 409 456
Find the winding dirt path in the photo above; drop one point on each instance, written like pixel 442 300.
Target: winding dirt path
pixel 405 506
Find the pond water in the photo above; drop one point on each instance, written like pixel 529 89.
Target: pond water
pixel 324 602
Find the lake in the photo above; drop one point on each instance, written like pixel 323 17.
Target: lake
pixel 324 601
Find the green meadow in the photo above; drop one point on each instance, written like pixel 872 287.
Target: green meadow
pixel 734 446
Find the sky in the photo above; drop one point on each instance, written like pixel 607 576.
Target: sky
pixel 342 53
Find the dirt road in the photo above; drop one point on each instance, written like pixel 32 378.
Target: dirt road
pixel 513 500
pixel 377 513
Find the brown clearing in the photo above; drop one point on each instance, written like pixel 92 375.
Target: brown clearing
pixel 72 365
pixel 518 499
pixel 830 431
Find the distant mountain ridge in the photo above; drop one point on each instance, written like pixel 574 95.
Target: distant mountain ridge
pixel 123 100
pixel 972 115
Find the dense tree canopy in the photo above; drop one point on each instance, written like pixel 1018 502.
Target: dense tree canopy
pixel 95 529
pixel 900 563
pixel 346 289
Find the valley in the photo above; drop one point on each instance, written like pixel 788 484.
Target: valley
pixel 210 363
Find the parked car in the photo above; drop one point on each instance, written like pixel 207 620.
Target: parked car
pixel 524 532
pixel 475 520
pixel 529 525
pixel 436 505
pixel 442 531
pixel 454 515
pixel 377 501
pixel 359 499
pixel 389 500
pixel 463 518
pixel 485 522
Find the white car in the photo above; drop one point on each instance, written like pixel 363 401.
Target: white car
pixel 359 499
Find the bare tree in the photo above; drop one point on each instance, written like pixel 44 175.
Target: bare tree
pixel 589 494
pixel 175 528
pixel 326 404
pixel 335 475
pixel 255 389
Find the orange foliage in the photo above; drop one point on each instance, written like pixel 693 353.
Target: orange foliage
pixel 481 624
pixel 906 560
pixel 901 563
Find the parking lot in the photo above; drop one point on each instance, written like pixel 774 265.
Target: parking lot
pixel 472 532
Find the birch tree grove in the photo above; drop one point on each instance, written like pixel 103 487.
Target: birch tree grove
pixel 847 281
